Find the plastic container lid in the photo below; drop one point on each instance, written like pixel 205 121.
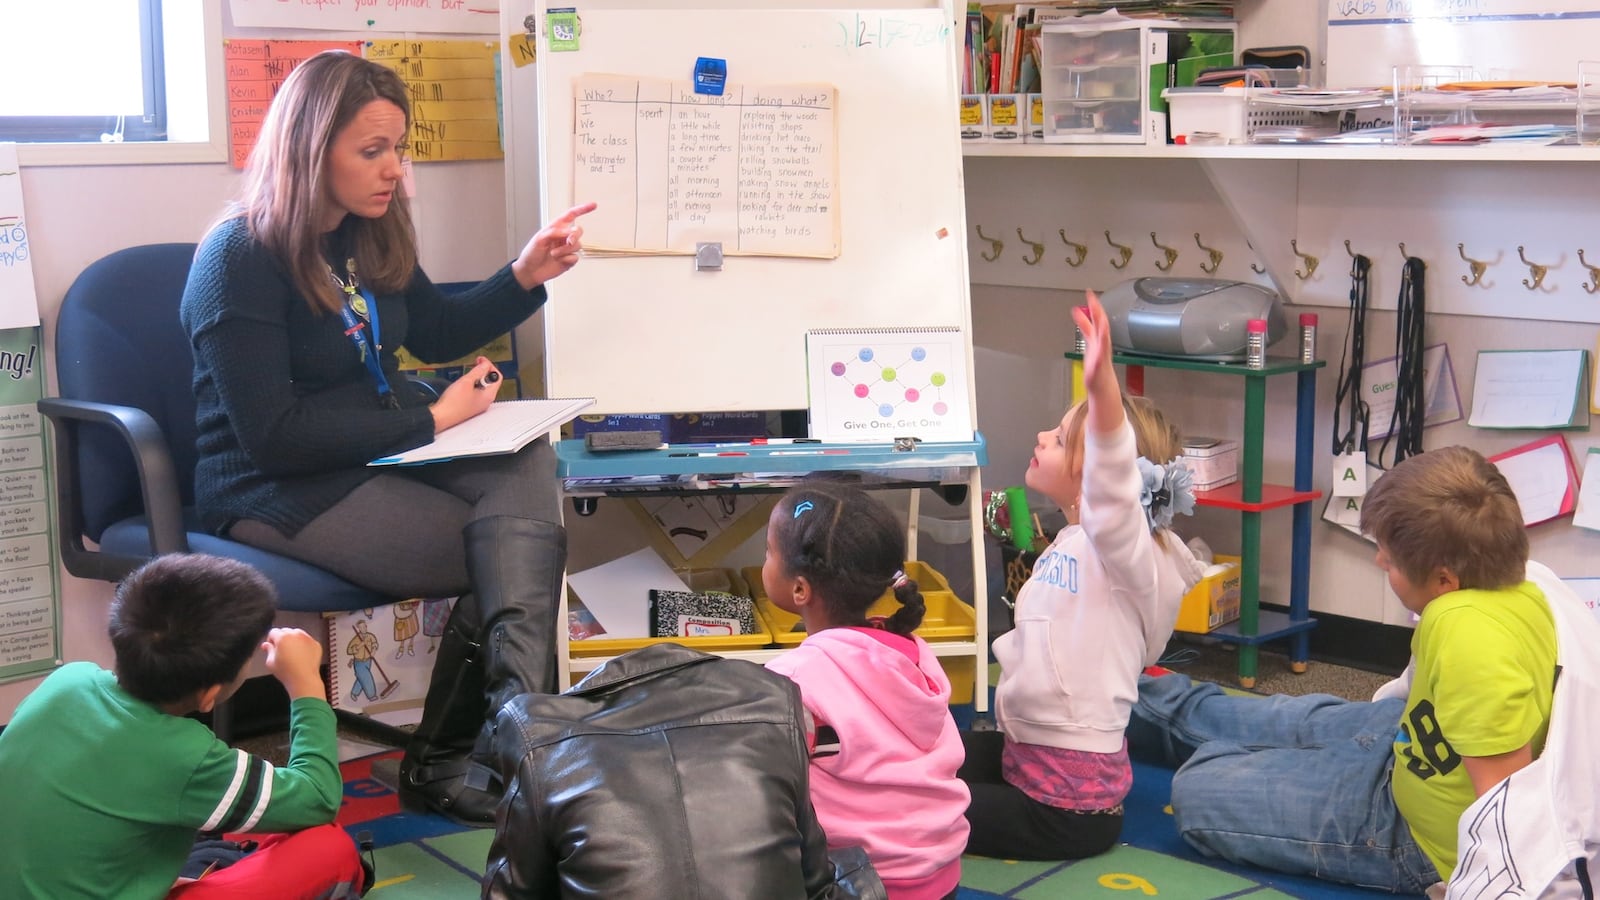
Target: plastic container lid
pixel 1256 326
pixel 1308 318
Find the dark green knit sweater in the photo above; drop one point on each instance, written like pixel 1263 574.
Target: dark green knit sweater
pixel 288 414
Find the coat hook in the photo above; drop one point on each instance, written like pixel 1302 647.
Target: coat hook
pixel 1258 269
pixel 1124 252
pixel 1079 251
pixel 1403 253
pixel 1534 269
pixel 1593 284
pixel 1475 266
pixel 1348 250
pixel 1038 249
pixel 1170 253
pixel 1310 261
pixel 995 244
pixel 1214 256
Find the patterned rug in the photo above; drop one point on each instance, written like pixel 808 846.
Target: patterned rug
pixel 421 857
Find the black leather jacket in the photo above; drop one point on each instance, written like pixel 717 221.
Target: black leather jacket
pixel 666 773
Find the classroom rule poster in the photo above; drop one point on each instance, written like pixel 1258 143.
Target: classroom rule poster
pixel 29 618
pixel 881 384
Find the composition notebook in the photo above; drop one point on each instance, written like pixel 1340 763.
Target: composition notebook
pixel 878 384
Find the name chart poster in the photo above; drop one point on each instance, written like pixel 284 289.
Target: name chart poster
pixel 19 306
pixel 30 624
pixel 441 16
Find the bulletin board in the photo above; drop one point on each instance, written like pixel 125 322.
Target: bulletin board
pixel 649 332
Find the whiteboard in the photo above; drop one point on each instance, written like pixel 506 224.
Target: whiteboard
pixel 653 334
pixel 1499 39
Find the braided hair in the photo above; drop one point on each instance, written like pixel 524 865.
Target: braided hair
pixel 850 547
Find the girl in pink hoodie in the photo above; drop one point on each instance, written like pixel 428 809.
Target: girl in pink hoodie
pixel 884 748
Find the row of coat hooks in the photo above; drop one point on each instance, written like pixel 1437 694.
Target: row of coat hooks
pixel 1123 255
pixel 1477 268
pixel 1080 252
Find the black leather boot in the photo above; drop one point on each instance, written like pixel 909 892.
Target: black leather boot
pixel 516 566
pixel 437 773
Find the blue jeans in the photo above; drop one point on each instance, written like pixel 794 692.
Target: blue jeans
pixel 1294 784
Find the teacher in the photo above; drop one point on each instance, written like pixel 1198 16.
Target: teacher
pixel 295 305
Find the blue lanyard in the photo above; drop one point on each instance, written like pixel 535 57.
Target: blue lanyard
pixel 358 314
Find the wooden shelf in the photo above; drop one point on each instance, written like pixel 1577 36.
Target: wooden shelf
pixel 1273 496
pixel 1488 152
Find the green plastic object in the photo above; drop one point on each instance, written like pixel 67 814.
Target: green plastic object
pixel 1021 519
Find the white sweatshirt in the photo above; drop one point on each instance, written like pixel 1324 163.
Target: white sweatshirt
pixel 1098 608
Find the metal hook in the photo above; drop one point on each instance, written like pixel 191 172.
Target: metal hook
pixel 1259 270
pixel 1170 253
pixel 1310 261
pixel 1215 256
pixel 1038 249
pixel 1079 250
pixel 1593 284
pixel 996 245
pixel 1403 253
pixel 1348 250
pixel 1534 269
pixel 1476 266
pixel 1123 251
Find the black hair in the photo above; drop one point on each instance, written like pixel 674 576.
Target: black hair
pixel 850 548
pixel 184 622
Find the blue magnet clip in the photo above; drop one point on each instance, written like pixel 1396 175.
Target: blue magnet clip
pixel 710 75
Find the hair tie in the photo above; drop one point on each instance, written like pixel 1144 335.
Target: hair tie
pixel 899 580
pixel 803 507
pixel 1165 491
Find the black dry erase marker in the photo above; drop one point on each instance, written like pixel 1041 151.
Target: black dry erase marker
pixel 490 377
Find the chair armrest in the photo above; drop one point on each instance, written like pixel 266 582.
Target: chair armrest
pixel 429 386
pixel 158 484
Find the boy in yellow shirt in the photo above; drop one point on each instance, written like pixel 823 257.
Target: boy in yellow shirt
pixel 1370 793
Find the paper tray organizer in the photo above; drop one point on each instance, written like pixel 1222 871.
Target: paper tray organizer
pixel 726 580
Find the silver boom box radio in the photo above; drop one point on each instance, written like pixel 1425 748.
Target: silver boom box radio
pixel 1189 318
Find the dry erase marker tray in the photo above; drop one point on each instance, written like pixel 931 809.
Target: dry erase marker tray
pixel 693 467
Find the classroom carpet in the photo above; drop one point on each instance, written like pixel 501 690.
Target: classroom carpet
pixel 424 857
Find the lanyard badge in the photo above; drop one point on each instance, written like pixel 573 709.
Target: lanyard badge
pixel 360 315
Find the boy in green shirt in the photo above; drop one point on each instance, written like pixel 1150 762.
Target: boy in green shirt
pixel 107 785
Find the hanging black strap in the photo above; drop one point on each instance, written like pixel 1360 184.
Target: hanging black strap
pixel 1410 404
pixel 1351 360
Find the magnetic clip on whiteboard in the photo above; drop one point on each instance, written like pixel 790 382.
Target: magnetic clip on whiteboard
pixel 710 74
pixel 707 256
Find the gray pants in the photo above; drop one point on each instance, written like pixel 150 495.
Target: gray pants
pixel 400 532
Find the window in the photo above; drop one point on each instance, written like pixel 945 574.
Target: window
pixel 97 82
pixel 94 71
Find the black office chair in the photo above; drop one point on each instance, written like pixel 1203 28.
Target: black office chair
pixel 125 433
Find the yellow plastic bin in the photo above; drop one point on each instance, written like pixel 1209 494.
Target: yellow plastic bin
pixel 727 580
pixel 1214 601
pixel 947 619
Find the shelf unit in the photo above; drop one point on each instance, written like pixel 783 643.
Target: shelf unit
pixel 1251 496
pixel 951 466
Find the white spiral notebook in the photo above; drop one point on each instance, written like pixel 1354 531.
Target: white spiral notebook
pixel 878 384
